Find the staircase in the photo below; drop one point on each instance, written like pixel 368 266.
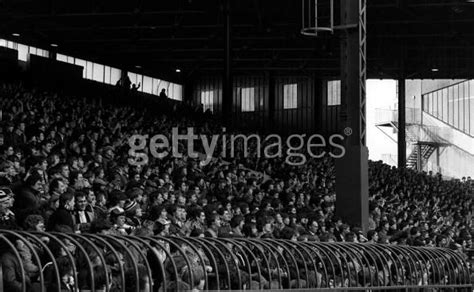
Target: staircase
pixel 426 149
pixel 421 140
pixel 386 120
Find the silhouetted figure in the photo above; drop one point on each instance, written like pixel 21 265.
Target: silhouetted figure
pixel 163 93
pixel 135 87
pixel 124 82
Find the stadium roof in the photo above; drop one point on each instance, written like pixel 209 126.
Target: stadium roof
pixel 161 36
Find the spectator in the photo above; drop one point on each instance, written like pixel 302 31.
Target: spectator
pixel 117 216
pixel 372 236
pixel 7 173
pixel 133 213
pixel 163 93
pixel 178 221
pixel 83 213
pixel 78 147
pixel 66 276
pixel 12 274
pixel 313 227
pixel 198 219
pixel 237 224
pixel 214 223
pixel 34 223
pixel 56 187
pixel 7 217
pixel 29 196
pixel 135 87
pixel 63 215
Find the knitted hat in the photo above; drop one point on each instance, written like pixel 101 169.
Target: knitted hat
pixel 7 190
pixel 4 197
pixel 130 207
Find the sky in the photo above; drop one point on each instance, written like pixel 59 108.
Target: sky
pixel 381 94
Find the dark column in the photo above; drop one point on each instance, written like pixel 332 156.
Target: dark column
pixel 352 168
pixel 227 78
pixel 320 90
pixel 419 157
pixel 402 148
pixel 188 90
pixel 437 160
pixel 271 99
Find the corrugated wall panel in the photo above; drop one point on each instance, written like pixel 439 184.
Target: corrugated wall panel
pixel 254 119
pixel 330 114
pixel 301 118
pixel 312 114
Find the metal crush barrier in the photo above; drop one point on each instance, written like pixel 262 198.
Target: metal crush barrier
pixel 36 261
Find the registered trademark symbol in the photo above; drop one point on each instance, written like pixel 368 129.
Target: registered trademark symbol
pixel 348 131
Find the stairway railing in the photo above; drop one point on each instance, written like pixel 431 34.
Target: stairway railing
pixel 384 116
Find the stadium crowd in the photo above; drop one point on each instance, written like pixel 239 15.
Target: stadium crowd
pixel 64 167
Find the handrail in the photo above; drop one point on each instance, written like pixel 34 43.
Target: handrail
pixel 412 116
pixel 448 125
pixel 442 102
pixel 235 264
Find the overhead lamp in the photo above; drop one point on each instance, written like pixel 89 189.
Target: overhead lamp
pixel 138 66
pixel 15 34
pixel 434 70
pixel 54 45
pixel 178 70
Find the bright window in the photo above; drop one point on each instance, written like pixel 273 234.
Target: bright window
pixel 165 85
pixel 22 52
pixel 177 92
pixel 147 85
pixel 290 96
pixel 98 73
pixel 11 45
pixel 207 100
pixel 62 58
pixel 39 52
pixel 334 92
pixel 107 75
pixel 247 97
pixel 156 86
pixel 101 73
pixel 89 70
pixel 115 75
pixel 136 79
pixel 83 64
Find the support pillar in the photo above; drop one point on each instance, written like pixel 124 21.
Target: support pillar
pixel 402 145
pixel 271 98
pixel 227 98
pixel 188 90
pixel 352 169
pixel 438 168
pixel 320 98
pixel 419 158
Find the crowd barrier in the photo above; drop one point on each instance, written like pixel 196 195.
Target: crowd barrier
pixel 140 264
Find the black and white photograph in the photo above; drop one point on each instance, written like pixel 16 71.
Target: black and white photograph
pixel 236 145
